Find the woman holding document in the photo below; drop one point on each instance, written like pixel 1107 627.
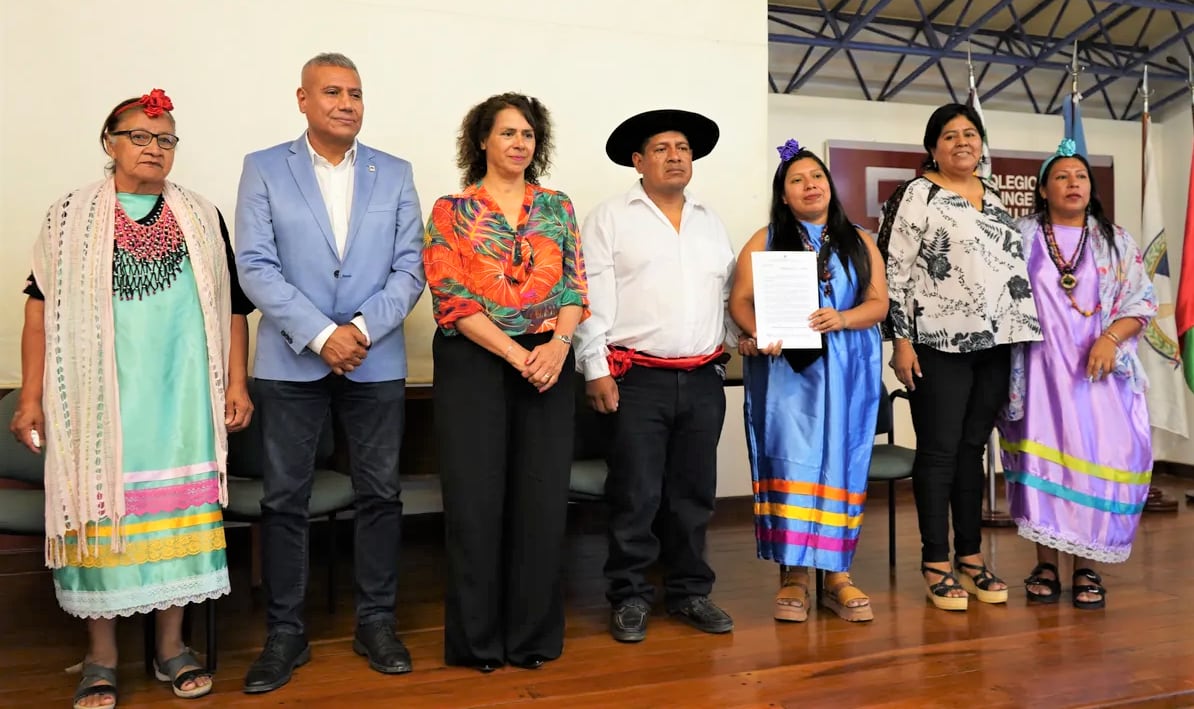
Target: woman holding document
pixel 810 413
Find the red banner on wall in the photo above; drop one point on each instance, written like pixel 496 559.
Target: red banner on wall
pixel 865 174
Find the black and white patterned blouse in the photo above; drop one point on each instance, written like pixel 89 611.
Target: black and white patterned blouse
pixel 957 276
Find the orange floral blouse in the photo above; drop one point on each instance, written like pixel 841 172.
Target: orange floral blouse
pixel 521 277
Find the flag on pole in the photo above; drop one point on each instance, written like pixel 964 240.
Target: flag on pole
pixel 984 162
pixel 1158 349
pixel 1071 113
pixel 1185 290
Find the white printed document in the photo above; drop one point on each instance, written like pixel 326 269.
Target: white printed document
pixel 785 296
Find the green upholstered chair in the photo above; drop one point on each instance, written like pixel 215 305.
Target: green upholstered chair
pixel 592 431
pixel 890 463
pixel 331 492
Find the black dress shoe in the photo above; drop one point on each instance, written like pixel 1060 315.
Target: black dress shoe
pixel 282 653
pixel 533 663
pixel 628 620
pixel 704 615
pixel 385 652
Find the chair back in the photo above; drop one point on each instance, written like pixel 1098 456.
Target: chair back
pixel 883 422
pixel 592 431
pixel 16 461
pixel 246 449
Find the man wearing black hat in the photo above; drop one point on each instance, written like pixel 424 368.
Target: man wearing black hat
pixel 659 265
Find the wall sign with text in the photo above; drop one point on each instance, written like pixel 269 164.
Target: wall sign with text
pixel 865 174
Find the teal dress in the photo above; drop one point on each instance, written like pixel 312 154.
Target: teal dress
pixel 173 528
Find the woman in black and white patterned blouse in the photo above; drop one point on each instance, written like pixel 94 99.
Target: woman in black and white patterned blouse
pixel 959 298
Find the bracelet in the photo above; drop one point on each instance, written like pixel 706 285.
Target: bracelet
pixel 508 351
pixel 1112 336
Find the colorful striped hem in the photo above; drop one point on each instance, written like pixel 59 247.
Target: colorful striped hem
pixel 805 514
pixel 796 487
pixel 806 539
pixel 1020 477
pixel 1078 465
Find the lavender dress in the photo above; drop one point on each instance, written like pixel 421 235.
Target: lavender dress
pixel 1078 460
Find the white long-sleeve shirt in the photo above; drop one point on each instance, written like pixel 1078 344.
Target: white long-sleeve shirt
pixel 651 288
pixel 336 183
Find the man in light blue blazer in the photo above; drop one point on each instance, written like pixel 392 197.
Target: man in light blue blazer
pixel 329 248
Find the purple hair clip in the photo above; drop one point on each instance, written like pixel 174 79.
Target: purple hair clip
pixel 788 150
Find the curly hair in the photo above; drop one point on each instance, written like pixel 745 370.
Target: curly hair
pixel 477 124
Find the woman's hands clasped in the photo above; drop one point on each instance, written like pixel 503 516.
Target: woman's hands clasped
pixel 542 368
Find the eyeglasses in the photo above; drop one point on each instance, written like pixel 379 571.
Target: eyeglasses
pixel 166 141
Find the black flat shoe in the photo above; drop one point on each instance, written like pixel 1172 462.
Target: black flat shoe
pixel 532 664
pixel 704 615
pixel 1035 579
pixel 628 621
pixel 385 652
pixel 278 659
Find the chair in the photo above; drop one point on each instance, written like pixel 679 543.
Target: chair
pixel 23 513
pixel 331 493
pixel 890 463
pixel 591 439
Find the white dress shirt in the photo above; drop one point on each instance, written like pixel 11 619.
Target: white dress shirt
pixel 335 186
pixel 651 288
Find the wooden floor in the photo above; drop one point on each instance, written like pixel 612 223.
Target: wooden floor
pixel 1138 652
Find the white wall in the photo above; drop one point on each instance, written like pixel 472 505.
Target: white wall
pixel 232 69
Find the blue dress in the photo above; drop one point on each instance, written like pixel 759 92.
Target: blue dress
pixel 810 435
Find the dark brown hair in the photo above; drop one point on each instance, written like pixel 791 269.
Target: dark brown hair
pixel 477 124
pixel 113 120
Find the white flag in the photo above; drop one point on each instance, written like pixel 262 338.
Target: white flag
pixel 1158 343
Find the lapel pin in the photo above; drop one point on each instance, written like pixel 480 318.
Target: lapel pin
pixel 372 169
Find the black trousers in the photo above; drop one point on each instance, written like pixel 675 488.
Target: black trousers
pixel 954 408
pixel 505 457
pixel 663 462
pixel 292 416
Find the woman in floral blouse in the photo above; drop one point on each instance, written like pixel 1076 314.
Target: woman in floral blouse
pixel 507 281
pixel 959 297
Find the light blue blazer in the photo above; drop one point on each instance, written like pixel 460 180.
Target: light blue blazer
pixel 289 267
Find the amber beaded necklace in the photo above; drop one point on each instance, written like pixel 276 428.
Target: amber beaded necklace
pixel 1068 281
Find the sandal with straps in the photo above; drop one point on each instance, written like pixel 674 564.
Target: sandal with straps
pixel 838 596
pixel 89 687
pixel 938 592
pixel 1035 579
pixel 1094 588
pixel 979 584
pixel 171 671
pixel 791 603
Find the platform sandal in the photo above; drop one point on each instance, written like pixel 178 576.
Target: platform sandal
pixel 791 603
pixel 1035 579
pixel 840 592
pixel 1094 588
pixel 938 592
pixel 979 584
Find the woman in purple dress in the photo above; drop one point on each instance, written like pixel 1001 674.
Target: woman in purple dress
pixel 1076 449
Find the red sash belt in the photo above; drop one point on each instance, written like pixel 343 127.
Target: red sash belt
pixel 621 359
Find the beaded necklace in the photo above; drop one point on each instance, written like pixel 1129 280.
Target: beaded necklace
pixel 1068 281
pixel 822 256
pixel 149 254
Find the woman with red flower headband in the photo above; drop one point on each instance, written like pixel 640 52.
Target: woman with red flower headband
pixel 134 356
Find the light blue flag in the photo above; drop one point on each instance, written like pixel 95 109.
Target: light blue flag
pixel 1071 113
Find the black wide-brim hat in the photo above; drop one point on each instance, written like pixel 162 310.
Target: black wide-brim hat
pixel 627 139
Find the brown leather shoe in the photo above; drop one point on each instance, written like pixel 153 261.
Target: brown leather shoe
pixel 1158 502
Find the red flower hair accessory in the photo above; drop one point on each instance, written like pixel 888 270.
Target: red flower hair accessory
pixel 154 103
